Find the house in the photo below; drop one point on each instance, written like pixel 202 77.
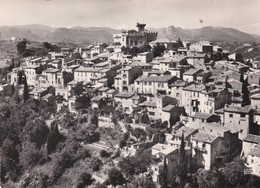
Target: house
pixel 197 119
pixel 204 149
pixel 126 101
pixel 177 135
pixel 154 85
pixel 255 100
pixel 145 57
pixel 253 78
pixel 204 98
pixel 126 76
pixel 168 43
pixel 96 102
pixel 176 90
pixel 191 75
pixel 31 74
pixel 239 119
pixel 253 160
pixel 197 60
pixel 211 149
pixel 249 142
pixel 166 157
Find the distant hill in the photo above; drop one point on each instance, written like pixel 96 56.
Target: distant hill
pixel 206 33
pixel 46 33
pixel 104 34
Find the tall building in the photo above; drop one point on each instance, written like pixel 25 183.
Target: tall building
pixel 133 38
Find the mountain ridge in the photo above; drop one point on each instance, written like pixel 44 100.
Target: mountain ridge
pixel 39 32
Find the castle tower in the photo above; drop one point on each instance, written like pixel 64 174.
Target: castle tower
pixel 140 27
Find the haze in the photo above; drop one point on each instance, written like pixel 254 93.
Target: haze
pixel 123 14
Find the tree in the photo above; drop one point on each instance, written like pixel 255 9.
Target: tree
pixel 82 102
pixel 35 131
pixel 133 51
pixel 163 175
pixel 142 182
pixel 234 172
pixel 137 132
pixel 135 165
pixel 182 169
pixel 53 138
pixel 84 180
pixel 104 154
pixel 78 89
pixel 20 77
pixel 21 47
pixel 245 93
pixel 26 95
pixel 30 155
pixel 158 50
pixel 115 177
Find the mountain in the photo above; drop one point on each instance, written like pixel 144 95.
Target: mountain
pixel 46 33
pixel 206 33
pixel 104 34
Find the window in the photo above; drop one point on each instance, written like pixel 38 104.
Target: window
pixel 231 115
pixel 151 113
pixel 252 160
pixel 242 115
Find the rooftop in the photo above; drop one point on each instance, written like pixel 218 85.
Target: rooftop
pixel 124 95
pixel 86 69
pixel 204 137
pixel 148 104
pixel 252 138
pixel 255 151
pixel 237 109
pixel 193 71
pixel 187 131
pixel 97 98
pixel 168 107
pixel 201 115
pixel 194 87
pixel 164 78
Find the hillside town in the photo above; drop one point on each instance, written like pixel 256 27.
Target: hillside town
pixel 142 111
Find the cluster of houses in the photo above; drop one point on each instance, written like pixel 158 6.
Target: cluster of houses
pixel 184 88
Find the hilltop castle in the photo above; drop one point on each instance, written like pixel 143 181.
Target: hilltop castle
pixel 133 38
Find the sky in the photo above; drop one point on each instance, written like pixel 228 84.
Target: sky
pixel 123 14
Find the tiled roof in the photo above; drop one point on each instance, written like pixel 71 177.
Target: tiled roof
pixel 237 109
pixel 204 137
pixel 164 78
pixel 194 87
pixel 179 83
pixel 148 103
pixel 52 70
pixel 86 69
pixel 111 91
pixel 193 71
pixel 219 111
pixel 97 98
pixel 187 131
pixel 201 115
pixel 103 89
pixel 255 96
pixel 252 138
pixel 168 107
pixel 124 95
pixel 127 68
